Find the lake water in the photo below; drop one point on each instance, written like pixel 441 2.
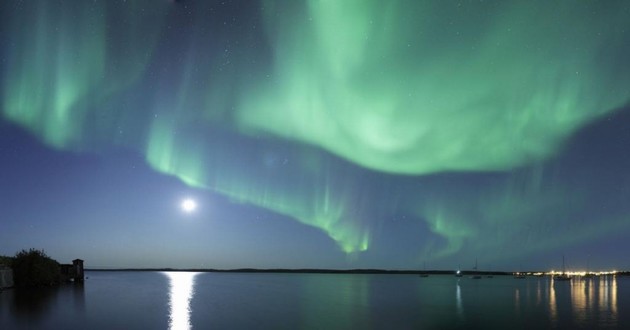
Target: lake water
pixel 182 300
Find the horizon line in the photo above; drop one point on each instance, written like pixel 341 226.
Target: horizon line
pixel 330 270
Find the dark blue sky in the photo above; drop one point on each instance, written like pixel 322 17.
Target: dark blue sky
pixel 316 134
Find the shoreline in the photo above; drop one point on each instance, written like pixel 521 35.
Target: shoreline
pixel 326 271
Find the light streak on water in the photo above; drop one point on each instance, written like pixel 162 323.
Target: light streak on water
pixel 181 292
pixel 458 297
pixel 553 308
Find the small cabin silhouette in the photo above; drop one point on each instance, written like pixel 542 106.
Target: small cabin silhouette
pixel 72 272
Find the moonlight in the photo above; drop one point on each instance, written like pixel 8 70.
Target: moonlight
pixel 188 205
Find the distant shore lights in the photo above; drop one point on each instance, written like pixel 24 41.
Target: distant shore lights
pixel 584 273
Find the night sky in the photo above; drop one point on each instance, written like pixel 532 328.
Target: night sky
pixel 317 133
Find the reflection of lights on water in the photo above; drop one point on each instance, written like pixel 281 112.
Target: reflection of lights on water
pixel 180 294
pixel 613 298
pixel 458 298
pixel 538 294
pixel 589 298
pixel 608 297
pixel 553 308
pixel 591 295
pixel 579 300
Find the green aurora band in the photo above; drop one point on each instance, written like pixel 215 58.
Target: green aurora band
pixel 61 69
pixel 417 87
pixel 403 88
pixel 516 217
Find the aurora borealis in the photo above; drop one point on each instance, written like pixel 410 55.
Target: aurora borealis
pixel 316 133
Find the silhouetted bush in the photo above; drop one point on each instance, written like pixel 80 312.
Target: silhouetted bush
pixel 7 261
pixel 35 268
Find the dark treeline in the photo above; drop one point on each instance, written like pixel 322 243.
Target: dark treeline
pixel 34 268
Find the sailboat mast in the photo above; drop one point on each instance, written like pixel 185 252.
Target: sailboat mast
pixel 564 270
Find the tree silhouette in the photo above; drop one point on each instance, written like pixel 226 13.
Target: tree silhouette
pixel 7 261
pixel 35 268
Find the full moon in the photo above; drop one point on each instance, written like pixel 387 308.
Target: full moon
pixel 188 205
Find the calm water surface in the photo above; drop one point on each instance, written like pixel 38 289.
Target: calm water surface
pixel 182 300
